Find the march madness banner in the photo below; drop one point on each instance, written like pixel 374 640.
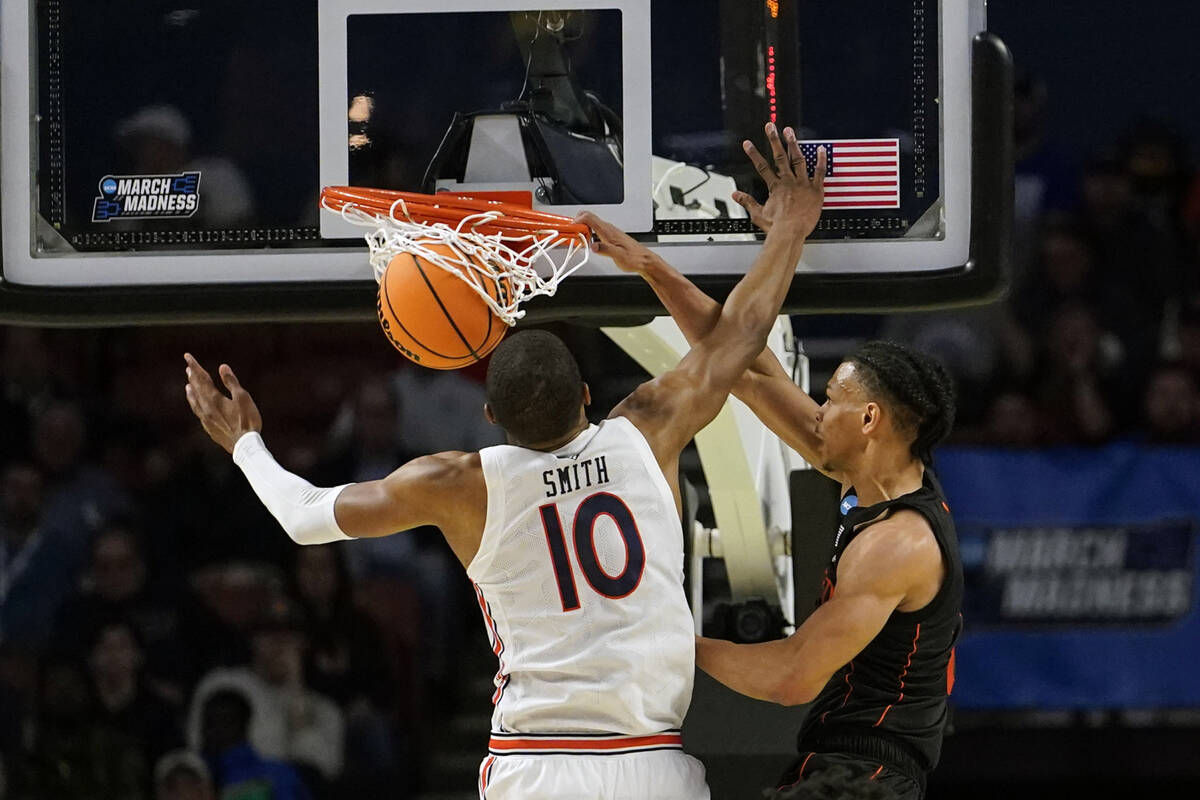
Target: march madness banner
pixel 1081 570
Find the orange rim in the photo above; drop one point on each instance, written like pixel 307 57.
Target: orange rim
pixel 451 209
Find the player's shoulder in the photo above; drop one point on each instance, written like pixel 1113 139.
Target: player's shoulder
pixel 651 401
pixel 903 539
pixel 448 468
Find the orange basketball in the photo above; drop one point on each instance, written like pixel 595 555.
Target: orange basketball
pixel 433 316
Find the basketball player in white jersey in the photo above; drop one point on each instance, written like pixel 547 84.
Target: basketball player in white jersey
pixel 570 532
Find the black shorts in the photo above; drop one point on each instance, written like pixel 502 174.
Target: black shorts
pixel 808 765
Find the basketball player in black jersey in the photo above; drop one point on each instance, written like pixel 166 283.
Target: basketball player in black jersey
pixel 875 659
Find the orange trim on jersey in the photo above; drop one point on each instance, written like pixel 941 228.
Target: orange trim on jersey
pixel 584 743
pixel 903 673
pixel 875 774
pixel 799 774
pixel 497 645
pixel 849 689
pixel 485 774
pixel 501 679
pixel 950 673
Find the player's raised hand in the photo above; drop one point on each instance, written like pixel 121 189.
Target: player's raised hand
pixel 626 252
pixel 225 419
pixel 794 198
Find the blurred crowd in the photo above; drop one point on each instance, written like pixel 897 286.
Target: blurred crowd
pixel 160 637
pixel 1099 337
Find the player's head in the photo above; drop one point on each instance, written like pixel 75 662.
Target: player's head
pixel 836 782
pixel 534 390
pixel 887 394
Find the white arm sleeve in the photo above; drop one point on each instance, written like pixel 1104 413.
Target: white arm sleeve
pixel 305 511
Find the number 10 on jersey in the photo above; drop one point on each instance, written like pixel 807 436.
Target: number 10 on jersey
pixel 583 533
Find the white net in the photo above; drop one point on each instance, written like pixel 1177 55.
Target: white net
pixel 505 268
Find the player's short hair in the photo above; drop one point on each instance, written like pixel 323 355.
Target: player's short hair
pixel 836 782
pixel 914 386
pixel 534 388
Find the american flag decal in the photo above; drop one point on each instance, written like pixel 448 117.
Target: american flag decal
pixel 859 173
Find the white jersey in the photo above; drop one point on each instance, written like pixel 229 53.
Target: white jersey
pixel 579 576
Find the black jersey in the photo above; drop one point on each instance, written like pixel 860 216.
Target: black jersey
pixel 891 697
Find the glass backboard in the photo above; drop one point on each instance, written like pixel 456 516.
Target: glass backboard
pixel 163 160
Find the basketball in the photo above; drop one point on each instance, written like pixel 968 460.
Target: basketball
pixel 433 316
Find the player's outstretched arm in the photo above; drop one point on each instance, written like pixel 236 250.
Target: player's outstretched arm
pixel 418 493
pixel 892 565
pixel 766 388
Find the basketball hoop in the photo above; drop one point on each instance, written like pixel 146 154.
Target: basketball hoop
pixel 501 243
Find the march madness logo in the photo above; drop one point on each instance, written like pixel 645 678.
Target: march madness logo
pixel 147 196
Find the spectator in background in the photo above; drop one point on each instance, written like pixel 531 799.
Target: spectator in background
pixel 26 388
pixel 345 654
pixel 1074 383
pixel 78 499
pixel 423 400
pixel 79 496
pixel 1064 271
pixel 18 693
pixel 1012 421
pixel 34 574
pixel 980 347
pixel 1171 406
pixel 291 721
pixel 1042 178
pixel 374 447
pixel 183 775
pixel 1156 160
pixel 73 755
pixel 208 512
pixel 1190 220
pixel 126 703
pixel 1135 262
pixel 1185 344
pixel 117 586
pixel 242 773
pixel 347 662
pixel 450 397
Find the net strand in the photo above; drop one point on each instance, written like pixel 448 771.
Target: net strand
pixel 478 245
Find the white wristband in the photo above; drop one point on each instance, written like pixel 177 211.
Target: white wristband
pixel 305 511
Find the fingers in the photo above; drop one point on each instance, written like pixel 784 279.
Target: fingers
pixel 752 206
pixel 603 230
pixel 193 404
pixel 795 156
pixel 609 240
pixel 229 379
pixel 194 368
pixel 819 172
pixel 591 220
pixel 778 150
pixel 760 164
pixel 199 381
